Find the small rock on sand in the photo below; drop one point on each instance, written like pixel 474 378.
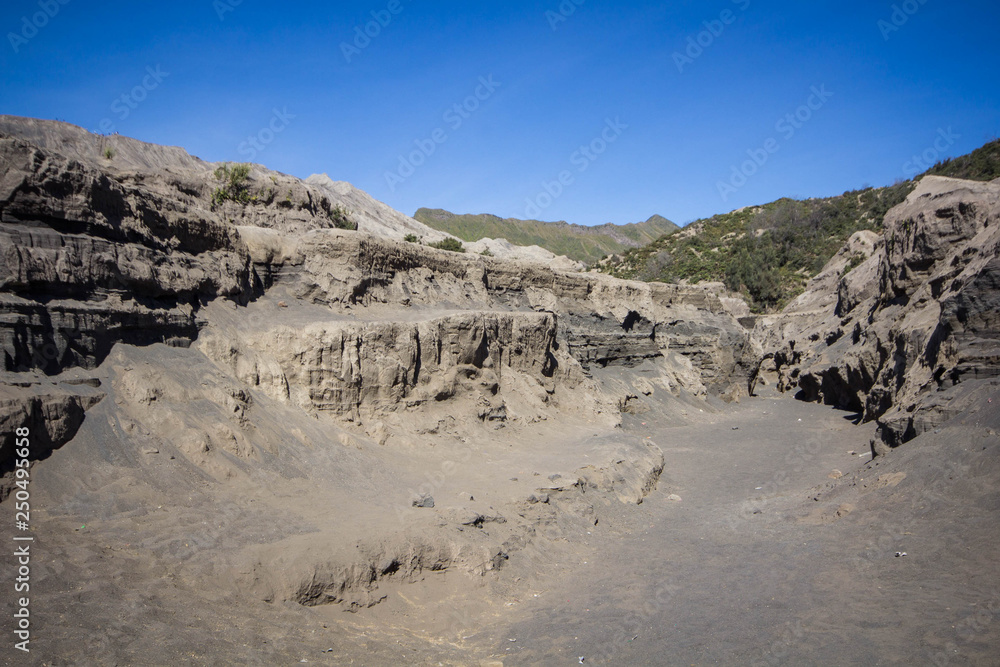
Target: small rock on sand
pixel 423 500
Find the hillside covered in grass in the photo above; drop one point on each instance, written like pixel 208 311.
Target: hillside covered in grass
pixel 584 244
pixel 982 164
pixel 769 252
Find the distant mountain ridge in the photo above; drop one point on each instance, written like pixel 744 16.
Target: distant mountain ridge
pixel 579 242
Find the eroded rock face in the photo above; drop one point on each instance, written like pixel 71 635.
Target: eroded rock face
pixel 87 260
pixel 305 383
pixel 346 368
pixel 376 326
pixel 601 321
pixel 52 414
pixel 140 249
pixel 915 318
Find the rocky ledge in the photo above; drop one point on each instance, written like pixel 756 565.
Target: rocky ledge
pixel 899 325
pixel 246 353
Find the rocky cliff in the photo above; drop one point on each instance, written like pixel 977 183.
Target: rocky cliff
pixel 230 348
pixel 898 326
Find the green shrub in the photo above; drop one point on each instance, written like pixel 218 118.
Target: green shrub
pixel 857 259
pixel 109 153
pixel 982 164
pixel 411 238
pixel 234 178
pixel 341 218
pixel 450 243
pixel 235 186
pixel 486 253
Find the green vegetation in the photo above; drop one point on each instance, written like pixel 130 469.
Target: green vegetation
pixel 584 244
pixel 454 245
pixel 486 253
pixel 769 252
pixel 982 164
pixel 857 259
pixel 109 153
pixel 766 252
pixel 411 238
pixel 339 216
pixel 235 186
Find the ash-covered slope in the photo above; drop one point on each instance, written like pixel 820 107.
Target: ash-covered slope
pixel 172 173
pixel 235 392
pixel 900 327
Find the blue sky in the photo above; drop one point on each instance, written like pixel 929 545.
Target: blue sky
pixel 666 124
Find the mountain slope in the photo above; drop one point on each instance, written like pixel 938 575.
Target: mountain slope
pixel 585 244
pixel 766 252
pixel 982 164
pixel 769 252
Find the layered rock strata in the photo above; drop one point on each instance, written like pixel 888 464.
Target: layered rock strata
pixel 230 347
pixel 896 322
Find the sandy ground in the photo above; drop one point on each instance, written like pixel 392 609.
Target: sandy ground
pixel 765 558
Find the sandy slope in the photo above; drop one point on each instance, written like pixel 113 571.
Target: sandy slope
pixel 801 570
pixel 235 406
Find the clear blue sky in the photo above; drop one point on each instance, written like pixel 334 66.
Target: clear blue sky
pixel 680 126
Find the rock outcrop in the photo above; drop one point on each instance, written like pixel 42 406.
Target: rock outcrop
pixel 99 251
pixel 893 324
pixel 51 412
pixel 174 333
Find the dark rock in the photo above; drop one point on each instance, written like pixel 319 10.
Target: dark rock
pixel 423 500
pixel 926 313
